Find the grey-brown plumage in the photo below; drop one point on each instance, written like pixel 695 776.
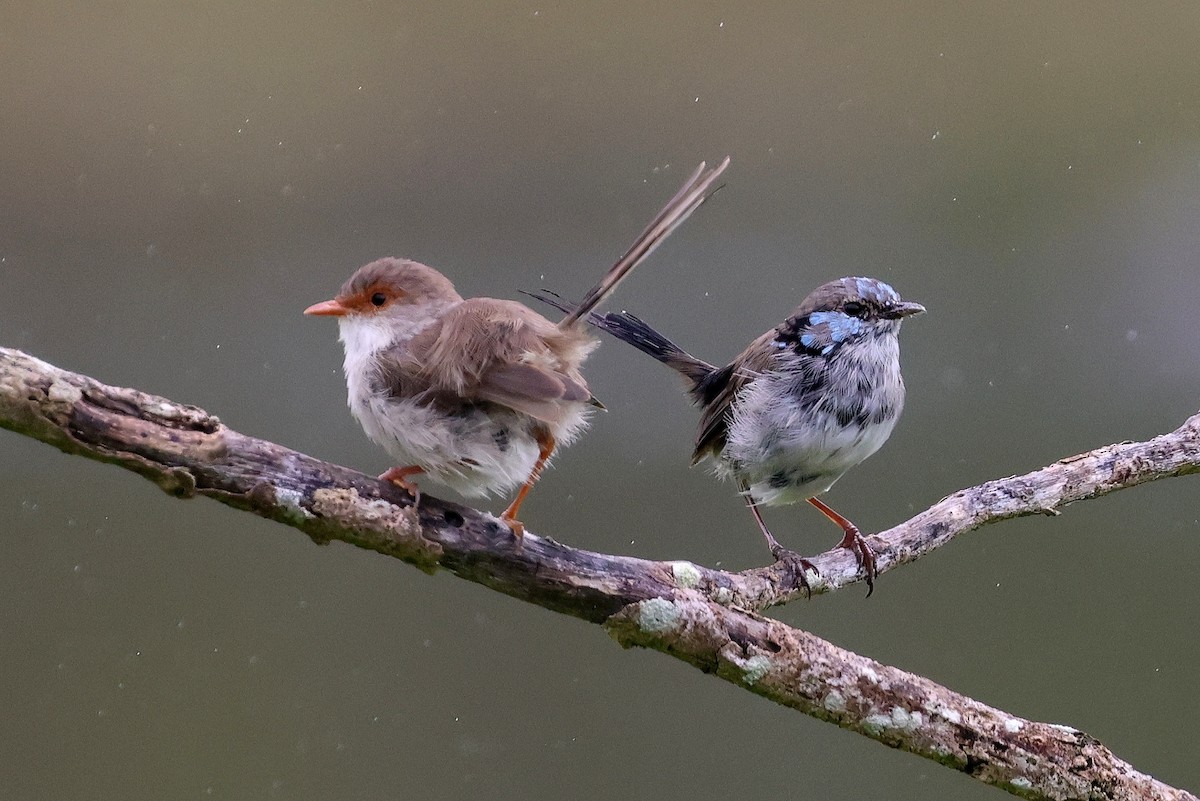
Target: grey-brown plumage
pixel 800 406
pixel 475 393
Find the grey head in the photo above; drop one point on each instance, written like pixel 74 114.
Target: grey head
pixel 844 312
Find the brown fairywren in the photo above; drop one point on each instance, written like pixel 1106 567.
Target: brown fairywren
pixel 478 393
pixel 804 403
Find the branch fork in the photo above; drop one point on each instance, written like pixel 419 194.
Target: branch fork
pixel 709 618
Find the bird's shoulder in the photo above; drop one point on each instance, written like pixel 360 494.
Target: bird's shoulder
pixel 501 351
pixel 720 389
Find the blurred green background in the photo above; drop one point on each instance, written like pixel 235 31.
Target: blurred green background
pixel 181 179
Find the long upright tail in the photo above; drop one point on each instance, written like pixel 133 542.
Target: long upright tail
pixel 696 190
pixel 632 329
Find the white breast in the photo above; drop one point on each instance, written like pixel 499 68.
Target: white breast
pixel 475 452
pixel 786 452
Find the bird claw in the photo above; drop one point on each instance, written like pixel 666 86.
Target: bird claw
pixel 517 528
pixel 399 477
pixel 853 541
pixel 796 564
pixel 857 544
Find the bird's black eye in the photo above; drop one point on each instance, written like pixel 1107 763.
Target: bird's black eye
pixel 854 308
pixel 378 299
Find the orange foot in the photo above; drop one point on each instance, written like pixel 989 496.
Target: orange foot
pixel 545 448
pixel 399 477
pixel 516 526
pixel 854 542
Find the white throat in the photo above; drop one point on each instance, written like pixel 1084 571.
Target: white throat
pixel 363 336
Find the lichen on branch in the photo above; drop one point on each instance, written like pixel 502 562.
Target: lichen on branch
pixel 708 618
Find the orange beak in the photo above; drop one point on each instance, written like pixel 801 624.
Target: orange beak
pixel 327 308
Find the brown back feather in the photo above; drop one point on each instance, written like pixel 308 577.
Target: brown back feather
pixel 502 352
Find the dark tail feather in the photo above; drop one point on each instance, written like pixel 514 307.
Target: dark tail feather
pixel 556 300
pixel 629 328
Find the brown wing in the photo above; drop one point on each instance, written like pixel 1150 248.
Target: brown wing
pixel 503 352
pixel 722 387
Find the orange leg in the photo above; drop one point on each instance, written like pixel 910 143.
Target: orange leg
pixel 853 541
pixel 546 447
pixel 399 477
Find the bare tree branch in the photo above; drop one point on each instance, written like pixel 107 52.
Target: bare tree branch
pixel 1042 492
pixel 705 617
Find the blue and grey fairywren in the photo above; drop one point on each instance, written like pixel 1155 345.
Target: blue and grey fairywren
pixel 803 404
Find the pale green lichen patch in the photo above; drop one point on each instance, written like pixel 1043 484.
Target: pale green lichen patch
pixel 942 711
pixel 63 392
pixel 903 719
pixel 834 701
pixel 289 502
pixel 687 575
pixel 1012 725
pixel 658 616
pixel 875 724
pixel 896 718
pixel 750 668
pixel 723 596
pixel 754 668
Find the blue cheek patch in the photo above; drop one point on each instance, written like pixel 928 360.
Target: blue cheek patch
pixel 812 342
pixel 841 326
pixel 823 317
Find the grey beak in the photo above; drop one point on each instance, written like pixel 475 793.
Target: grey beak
pixel 904 309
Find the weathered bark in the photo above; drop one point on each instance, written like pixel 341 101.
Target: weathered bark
pixel 703 616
